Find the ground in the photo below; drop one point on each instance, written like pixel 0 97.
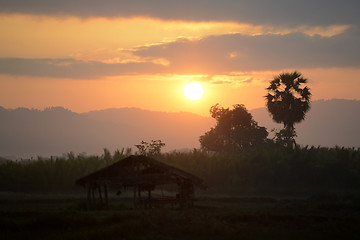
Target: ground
pixel 24 216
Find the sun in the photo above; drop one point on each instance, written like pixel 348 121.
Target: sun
pixel 193 91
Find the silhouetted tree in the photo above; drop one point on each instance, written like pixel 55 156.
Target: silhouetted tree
pixel 107 156
pixel 150 149
pixel 288 102
pixel 235 130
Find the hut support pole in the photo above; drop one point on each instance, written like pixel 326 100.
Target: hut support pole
pixel 88 197
pixel 106 194
pixel 141 202
pixel 100 195
pixel 93 194
pixel 134 196
pixel 149 198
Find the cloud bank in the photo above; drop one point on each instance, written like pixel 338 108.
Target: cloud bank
pixel 236 52
pixel 213 55
pixel 276 12
pixel 71 68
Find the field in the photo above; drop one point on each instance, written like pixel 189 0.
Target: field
pixel 25 216
pixel 264 193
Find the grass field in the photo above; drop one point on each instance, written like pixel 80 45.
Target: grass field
pixel 214 217
pixel 268 184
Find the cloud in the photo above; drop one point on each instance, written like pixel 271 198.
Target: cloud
pixel 245 78
pixel 277 12
pixel 235 52
pixel 212 56
pixel 75 69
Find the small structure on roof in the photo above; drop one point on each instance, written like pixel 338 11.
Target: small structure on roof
pixel 143 174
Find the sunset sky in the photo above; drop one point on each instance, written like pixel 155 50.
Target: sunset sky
pixel 87 55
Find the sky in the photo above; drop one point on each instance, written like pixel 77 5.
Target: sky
pixel 88 55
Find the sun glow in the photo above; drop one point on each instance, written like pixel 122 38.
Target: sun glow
pixel 193 91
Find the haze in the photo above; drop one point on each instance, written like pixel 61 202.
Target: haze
pixel 141 54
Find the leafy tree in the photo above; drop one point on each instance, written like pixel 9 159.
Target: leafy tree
pixel 150 149
pixel 235 130
pixel 288 102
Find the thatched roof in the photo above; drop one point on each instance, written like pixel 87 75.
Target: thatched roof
pixel 137 171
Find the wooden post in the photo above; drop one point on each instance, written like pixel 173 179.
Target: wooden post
pixel 93 195
pixel 106 194
pixel 139 195
pixel 88 205
pixel 149 198
pixel 134 196
pixel 100 196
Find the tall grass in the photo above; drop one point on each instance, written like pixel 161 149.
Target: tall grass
pixel 270 169
pixel 56 174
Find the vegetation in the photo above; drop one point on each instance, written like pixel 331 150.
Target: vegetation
pixel 56 174
pixel 235 130
pixel 326 181
pixel 269 169
pixel 288 102
pixel 150 149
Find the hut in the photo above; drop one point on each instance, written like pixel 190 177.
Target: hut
pixel 141 174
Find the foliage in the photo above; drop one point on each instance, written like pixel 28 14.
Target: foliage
pixel 269 169
pixel 288 102
pixel 56 174
pixel 150 149
pixel 235 130
pixel 285 137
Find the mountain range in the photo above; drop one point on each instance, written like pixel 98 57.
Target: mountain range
pixel 54 131
pixel 329 123
pixel 26 133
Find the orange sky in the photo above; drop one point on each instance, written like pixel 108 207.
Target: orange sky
pixel 91 63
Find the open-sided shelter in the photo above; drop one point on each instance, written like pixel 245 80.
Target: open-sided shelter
pixel 143 174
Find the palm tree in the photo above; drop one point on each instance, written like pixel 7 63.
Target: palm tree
pixel 288 101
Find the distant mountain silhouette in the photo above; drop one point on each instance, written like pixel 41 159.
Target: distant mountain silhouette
pixel 328 123
pixel 54 131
